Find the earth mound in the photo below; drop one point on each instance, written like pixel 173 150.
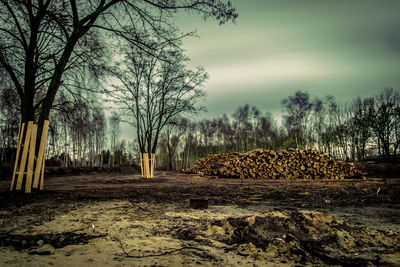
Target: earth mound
pixel 307 236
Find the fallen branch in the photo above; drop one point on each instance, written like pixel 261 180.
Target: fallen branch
pixel 159 254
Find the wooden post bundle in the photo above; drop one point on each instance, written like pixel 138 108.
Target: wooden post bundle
pixel 147 165
pixel 28 165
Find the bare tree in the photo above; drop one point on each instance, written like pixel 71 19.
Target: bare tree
pixel 320 123
pixel 385 123
pixel 267 132
pixel 226 133
pixel 173 132
pixel 297 110
pixel 360 125
pixel 9 111
pixel 98 132
pixel 207 132
pixel 115 131
pixel 151 92
pixel 242 127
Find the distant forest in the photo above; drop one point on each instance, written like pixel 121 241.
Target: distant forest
pixel 81 135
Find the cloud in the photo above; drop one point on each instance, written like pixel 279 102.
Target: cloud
pixel 267 71
pixel 341 48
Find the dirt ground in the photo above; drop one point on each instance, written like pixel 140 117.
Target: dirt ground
pixel 123 220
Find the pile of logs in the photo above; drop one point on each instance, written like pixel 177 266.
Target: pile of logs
pixel 269 164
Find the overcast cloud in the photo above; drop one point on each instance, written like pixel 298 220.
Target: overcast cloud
pixel 340 48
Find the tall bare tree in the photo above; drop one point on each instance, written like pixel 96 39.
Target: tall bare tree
pixel 360 125
pixel 153 90
pixel 171 136
pixel 297 110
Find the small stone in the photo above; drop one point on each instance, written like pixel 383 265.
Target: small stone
pixel 40 243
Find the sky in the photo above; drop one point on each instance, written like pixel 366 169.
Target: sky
pixel 343 48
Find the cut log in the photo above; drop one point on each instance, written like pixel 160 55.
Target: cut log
pixel 269 164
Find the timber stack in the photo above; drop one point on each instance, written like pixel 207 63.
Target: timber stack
pixel 269 164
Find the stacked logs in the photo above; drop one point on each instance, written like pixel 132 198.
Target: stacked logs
pixel 269 164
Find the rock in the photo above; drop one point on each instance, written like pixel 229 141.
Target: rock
pixel 40 243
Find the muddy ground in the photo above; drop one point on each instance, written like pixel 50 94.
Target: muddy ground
pixel 123 220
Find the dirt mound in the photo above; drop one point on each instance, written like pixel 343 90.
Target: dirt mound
pixel 268 164
pixel 307 236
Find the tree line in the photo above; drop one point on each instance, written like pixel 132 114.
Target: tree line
pixel 352 131
pixel 80 134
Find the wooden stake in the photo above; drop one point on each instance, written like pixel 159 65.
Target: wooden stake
pixel 146 165
pixel 41 155
pixel 20 134
pixel 153 161
pixel 24 155
pixel 141 163
pixel 42 176
pixel 31 157
pixel 41 158
pixel 150 161
pixel 149 166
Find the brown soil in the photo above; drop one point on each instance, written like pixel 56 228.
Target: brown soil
pixel 123 220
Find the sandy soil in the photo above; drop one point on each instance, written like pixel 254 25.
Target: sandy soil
pixel 123 220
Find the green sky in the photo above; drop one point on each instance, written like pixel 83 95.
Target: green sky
pixel 341 48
